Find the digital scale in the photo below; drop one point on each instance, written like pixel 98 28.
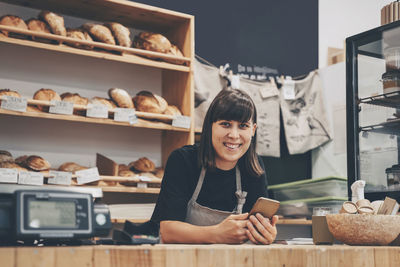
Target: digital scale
pixel 63 213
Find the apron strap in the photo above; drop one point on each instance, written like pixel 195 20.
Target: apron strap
pixel 199 184
pixel 240 195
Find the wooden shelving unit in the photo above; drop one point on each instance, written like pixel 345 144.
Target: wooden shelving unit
pixel 176 79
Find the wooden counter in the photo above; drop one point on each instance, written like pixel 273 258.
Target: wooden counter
pixel 200 255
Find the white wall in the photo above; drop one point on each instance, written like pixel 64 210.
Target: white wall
pixel 339 19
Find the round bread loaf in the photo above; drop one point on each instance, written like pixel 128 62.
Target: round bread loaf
pixel 8 92
pixel 121 98
pixel 79 34
pixel 142 165
pixel 37 163
pixel 148 102
pixel 21 160
pixel 32 109
pixel 12 165
pixel 71 167
pixel 152 42
pixel 74 98
pixel 38 26
pixel 175 52
pixel 13 21
pixel 103 101
pixel 5 156
pixel 126 173
pixel 99 33
pixel 56 22
pixel 121 33
pixel 46 95
pixel 172 110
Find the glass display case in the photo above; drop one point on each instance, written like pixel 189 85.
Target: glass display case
pixel 373 110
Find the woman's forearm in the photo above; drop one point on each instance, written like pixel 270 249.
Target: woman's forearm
pixel 181 232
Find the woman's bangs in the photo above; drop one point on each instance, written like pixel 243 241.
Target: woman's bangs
pixel 240 111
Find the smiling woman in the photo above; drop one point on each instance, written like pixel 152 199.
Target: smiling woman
pixel 206 188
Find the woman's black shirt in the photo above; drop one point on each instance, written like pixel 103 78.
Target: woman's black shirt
pixel 218 191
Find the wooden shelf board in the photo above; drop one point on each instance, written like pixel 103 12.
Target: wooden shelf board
pixel 127 189
pixel 125 58
pixel 128 13
pixel 294 221
pixel 140 124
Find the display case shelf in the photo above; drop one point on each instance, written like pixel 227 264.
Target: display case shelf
pixel 387 100
pixel 390 127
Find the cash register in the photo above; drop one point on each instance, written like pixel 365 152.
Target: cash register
pixel 53 214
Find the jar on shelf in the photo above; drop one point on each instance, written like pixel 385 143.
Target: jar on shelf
pixel 391 81
pixel 393 175
pixel 392 58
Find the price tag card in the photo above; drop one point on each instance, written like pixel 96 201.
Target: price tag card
pixel 31 178
pixel 87 176
pixel 14 103
pixel 124 114
pixel 8 175
pixel 288 90
pixel 181 122
pixel 56 177
pixel 141 185
pixel 61 107
pixel 269 90
pixel 97 111
pixel 144 179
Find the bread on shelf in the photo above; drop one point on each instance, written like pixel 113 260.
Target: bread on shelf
pixel 121 98
pixel 55 22
pixel 148 102
pixel 121 33
pixel 46 95
pixel 142 165
pixel 13 21
pixel 152 41
pixel 99 33
pixel 79 34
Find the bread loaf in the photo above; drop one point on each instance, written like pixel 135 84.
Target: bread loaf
pixel 38 26
pixel 121 98
pixel 126 173
pixel 12 165
pixel 103 101
pixel 13 21
pixel 37 163
pixel 21 160
pixel 79 34
pixel 99 33
pixel 71 167
pixel 174 51
pixel 121 33
pixel 8 92
pixel 74 98
pixel 142 165
pixel 46 95
pixel 152 42
pixel 5 156
pixel 56 22
pixel 148 102
pixel 172 110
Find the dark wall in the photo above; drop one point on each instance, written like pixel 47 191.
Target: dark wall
pixel 281 35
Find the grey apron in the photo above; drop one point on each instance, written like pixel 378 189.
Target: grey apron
pixel 199 215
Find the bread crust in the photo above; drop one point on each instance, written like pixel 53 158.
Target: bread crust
pixel 55 22
pixel 121 98
pixel 121 33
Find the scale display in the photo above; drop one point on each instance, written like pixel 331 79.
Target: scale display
pixel 51 214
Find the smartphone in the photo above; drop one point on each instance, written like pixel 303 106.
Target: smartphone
pixel 265 206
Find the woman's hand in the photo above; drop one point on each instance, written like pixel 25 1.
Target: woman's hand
pixel 261 230
pixel 232 230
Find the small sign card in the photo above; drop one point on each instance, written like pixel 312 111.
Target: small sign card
pixel 14 103
pixel 141 185
pixel 62 178
pixel 61 107
pixel 97 111
pixel 269 90
pixel 288 90
pixel 124 114
pixel 31 178
pixel 181 122
pixel 87 176
pixel 8 175
pixel 144 178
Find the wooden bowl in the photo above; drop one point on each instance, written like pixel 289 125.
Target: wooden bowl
pixel 364 229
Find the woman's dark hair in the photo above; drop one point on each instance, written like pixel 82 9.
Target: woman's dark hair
pixel 230 105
